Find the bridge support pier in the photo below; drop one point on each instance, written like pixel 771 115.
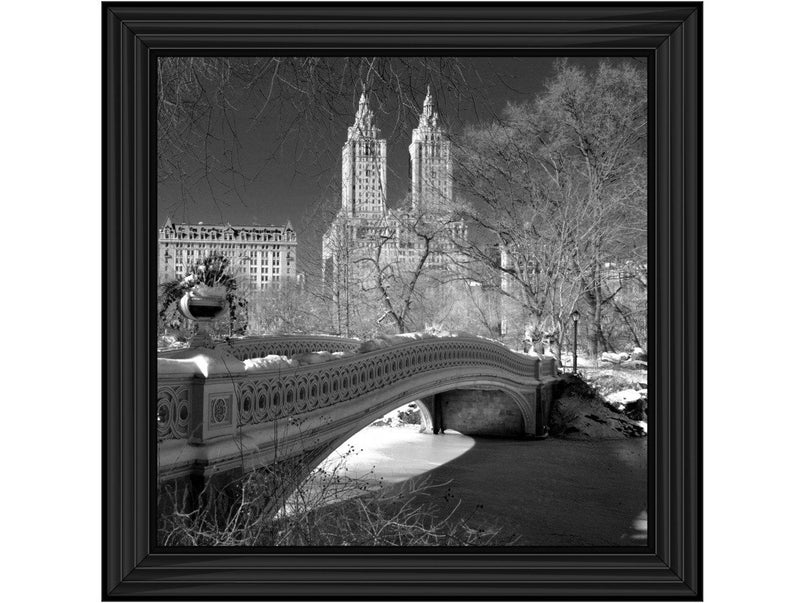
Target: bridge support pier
pixel 542 404
pixel 438 414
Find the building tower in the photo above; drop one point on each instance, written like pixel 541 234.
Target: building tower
pixel 430 160
pixel 363 193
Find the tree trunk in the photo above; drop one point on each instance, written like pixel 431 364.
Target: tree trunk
pixel 628 324
pixel 594 296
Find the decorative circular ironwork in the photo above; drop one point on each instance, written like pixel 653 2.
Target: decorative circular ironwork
pixel 172 412
pixel 261 410
pixel 163 414
pixel 219 408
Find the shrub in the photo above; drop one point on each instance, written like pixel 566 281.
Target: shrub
pixel 328 509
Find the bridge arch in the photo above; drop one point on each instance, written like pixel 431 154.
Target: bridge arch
pixel 238 417
pixel 522 400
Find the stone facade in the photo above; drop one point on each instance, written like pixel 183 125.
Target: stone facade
pixel 363 167
pixel 364 222
pixel 479 412
pixel 261 255
pixel 430 161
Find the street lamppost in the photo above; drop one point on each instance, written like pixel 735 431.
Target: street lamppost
pixel 575 317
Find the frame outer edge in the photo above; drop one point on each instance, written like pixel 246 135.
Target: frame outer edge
pixel 127 441
pixel 116 566
pixel 693 303
pixel 679 247
pixel 127 292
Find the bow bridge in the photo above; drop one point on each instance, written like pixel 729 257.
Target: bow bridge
pixel 218 412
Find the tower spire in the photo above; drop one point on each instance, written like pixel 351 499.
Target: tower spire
pixel 363 100
pixel 429 116
pixel 364 117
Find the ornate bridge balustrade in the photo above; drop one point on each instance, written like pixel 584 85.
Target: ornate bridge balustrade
pixel 285 345
pixel 215 415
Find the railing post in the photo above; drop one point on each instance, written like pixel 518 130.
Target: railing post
pixel 213 395
pixel 216 406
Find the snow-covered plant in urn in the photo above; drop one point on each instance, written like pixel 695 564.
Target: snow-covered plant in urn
pixel 207 281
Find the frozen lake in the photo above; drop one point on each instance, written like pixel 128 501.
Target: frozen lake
pixel 544 493
pixel 397 454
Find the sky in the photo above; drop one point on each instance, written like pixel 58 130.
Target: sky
pixel 290 181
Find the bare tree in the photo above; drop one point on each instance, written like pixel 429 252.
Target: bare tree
pixel 411 253
pixel 558 193
pixel 286 307
pixel 604 119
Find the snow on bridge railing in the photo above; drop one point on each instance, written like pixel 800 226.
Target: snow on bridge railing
pixel 244 348
pixel 281 388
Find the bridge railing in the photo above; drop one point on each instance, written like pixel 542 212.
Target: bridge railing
pixel 173 406
pixel 200 406
pixel 285 345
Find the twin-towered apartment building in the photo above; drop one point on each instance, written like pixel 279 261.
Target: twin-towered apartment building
pixel 365 226
pixel 267 254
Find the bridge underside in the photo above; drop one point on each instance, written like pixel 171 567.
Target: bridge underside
pixel 291 451
pixel 219 420
pixel 474 412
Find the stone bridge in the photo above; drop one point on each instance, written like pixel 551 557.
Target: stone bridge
pixel 216 414
pixel 288 345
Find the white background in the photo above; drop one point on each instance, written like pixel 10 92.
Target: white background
pixel 51 395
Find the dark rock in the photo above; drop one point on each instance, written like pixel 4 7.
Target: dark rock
pixel 637 411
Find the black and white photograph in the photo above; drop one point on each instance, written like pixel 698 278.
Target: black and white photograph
pixel 402 301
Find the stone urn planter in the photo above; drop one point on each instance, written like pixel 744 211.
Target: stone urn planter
pixel 204 305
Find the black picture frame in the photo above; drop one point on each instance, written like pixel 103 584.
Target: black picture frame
pixel 669 35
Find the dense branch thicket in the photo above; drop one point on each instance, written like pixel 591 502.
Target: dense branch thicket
pixel 558 198
pixel 328 508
